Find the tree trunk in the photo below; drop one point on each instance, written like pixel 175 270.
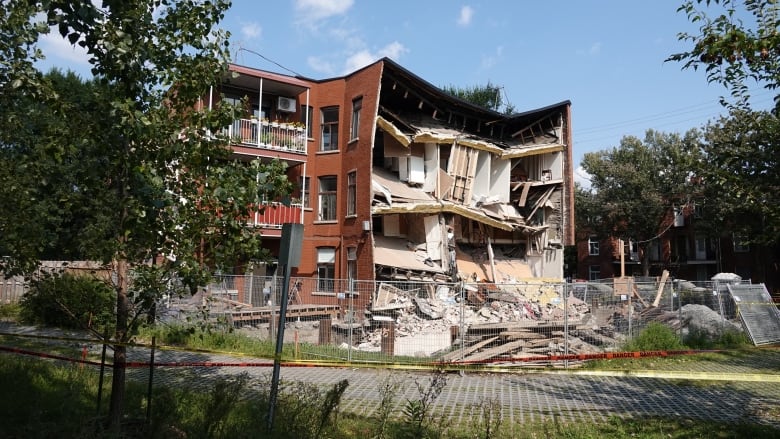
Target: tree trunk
pixel 120 350
pixel 645 260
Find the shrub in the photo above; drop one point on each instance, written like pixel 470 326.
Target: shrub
pixel 9 311
pixel 655 337
pixel 68 301
pixel 727 338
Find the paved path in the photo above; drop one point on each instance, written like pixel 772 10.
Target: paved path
pixel 524 396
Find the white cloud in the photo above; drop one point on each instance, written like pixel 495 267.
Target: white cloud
pixel 320 65
pixel 488 61
pixel 393 50
pixel 251 30
pixel 466 14
pixel 365 57
pixel 59 51
pixel 358 60
pixel 582 178
pixel 593 50
pixel 313 11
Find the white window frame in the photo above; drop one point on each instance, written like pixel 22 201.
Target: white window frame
pixel 593 246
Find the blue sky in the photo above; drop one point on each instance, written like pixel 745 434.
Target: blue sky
pixel 605 56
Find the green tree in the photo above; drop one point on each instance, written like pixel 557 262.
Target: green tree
pixel 136 176
pixel 635 186
pixel 738 45
pixel 739 171
pixel 486 96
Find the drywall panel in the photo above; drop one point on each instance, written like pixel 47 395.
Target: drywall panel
pixel 433 237
pixel 431 167
pixel 500 171
pixel 416 170
pixel 480 188
pixel 391 225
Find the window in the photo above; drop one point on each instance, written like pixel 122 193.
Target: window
pixel 593 246
pixel 698 211
pixel 631 250
pixel 594 272
pixel 654 247
pixel 305 192
pixel 327 199
pixel 741 244
pixel 330 129
pixel 236 102
pixel 357 104
pixel 351 193
pixel 307 118
pixel 326 268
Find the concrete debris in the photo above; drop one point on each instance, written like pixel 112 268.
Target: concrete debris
pixel 522 314
pixel 498 322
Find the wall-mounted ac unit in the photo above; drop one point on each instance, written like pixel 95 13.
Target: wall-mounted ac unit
pixel 286 104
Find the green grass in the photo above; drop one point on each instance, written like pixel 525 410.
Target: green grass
pixel 10 311
pixel 44 399
pixel 221 340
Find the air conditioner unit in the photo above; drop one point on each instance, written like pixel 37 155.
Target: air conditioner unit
pixel 286 104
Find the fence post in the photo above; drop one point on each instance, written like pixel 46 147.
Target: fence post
pixel 630 310
pixel 102 372
pixel 462 323
pixel 325 328
pixel 565 290
pixel 388 338
pixel 151 380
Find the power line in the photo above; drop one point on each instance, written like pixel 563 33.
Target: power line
pixel 597 131
pixel 267 59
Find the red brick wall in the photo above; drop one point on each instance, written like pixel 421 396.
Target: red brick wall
pixel 351 156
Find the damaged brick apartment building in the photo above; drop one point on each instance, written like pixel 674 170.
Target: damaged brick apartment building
pixel 398 180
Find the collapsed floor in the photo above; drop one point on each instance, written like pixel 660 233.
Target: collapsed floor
pixel 516 322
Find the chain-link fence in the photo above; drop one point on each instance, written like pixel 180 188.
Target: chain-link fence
pixel 424 322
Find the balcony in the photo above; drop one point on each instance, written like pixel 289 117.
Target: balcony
pixel 276 214
pixel 268 135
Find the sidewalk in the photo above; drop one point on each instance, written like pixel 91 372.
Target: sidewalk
pixel 740 390
pixel 525 395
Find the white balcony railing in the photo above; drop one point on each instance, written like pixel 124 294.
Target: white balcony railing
pixel 268 135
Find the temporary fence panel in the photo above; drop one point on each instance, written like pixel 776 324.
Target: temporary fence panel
pixel 412 322
pixel 759 314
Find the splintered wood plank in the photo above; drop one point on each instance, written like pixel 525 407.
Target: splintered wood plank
pixel 525 335
pixel 496 351
pixel 661 284
pixel 454 355
pixel 524 194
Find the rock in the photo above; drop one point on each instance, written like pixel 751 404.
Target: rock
pixel 700 318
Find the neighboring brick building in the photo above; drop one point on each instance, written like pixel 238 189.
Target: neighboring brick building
pixel 399 180
pixel 684 250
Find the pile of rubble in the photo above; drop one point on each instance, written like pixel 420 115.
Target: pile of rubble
pixel 498 321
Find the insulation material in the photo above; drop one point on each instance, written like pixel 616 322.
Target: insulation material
pixel 391 129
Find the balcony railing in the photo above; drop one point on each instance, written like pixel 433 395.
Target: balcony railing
pixel 276 214
pixel 268 135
